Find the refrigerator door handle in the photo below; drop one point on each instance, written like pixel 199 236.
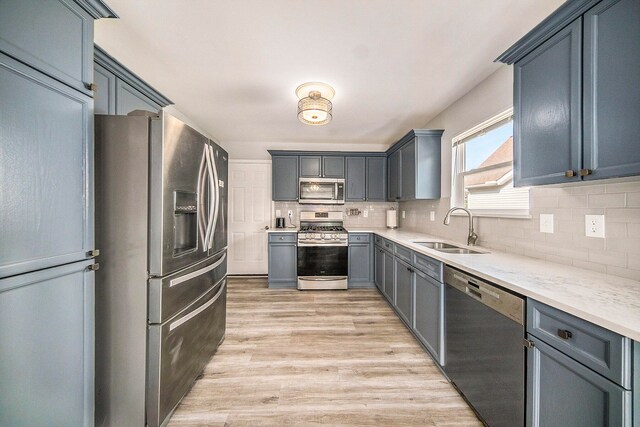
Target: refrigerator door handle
pixel 197 273
pixel 199 310
pixel 213 189
pixel 216 186
pixel 200 190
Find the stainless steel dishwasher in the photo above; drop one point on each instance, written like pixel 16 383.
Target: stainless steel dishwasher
pixel 484 344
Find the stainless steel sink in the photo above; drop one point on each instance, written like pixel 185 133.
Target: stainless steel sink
pixel 436 245
pixel 460 251
pixel 448 248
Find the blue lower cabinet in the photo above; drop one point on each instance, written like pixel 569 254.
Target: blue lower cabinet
pixel 379 268
pixel 283 264
pixel 389 290
pixel 361 274
pixel 404 291
pixel 428 314
pixel 47 350
pixel 563 392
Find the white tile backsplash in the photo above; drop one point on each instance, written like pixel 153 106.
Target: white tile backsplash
pixel 617 254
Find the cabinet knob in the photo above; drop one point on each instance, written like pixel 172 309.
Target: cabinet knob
pixel 93 267
pixel 564 334
pixel 281 238
pixel 93 253
pixel 91 86
pixel 570 173
pixel 585 172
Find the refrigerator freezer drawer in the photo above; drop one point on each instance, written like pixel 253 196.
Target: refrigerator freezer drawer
pixel 171 294
pixel 180 349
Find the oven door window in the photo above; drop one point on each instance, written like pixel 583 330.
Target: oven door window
pixel 323 260
pixel 318 190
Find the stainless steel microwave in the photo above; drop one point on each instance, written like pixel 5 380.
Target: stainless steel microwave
pixel 321 191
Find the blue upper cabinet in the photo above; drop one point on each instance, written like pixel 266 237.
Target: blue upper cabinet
pixel 120 91
pixel 611 92
pixel 46 167
pixel 321 166
pixel 576 98
pixel 356 178
pixel 547 106
pixel 414 166
pixel 284 178
pixel 54 36
pixel 376 179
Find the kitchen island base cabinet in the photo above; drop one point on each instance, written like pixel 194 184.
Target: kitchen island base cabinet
pixel 428 312
pixel 283 258
pixel 562 392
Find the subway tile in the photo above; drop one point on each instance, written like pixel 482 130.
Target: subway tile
pixel 629 215
pixel 623 187
pixel 607 257
pixel 626 244
pixel 559 259
pixel 633 261
pixel 613 229
pixel 584 242
pixel 588 265
pixel 633 230
pixel 581 188
pixel 580 254
pixel 607 200
pixel 579 213
pixel 573 201
pixel 623 272
pixel 633 200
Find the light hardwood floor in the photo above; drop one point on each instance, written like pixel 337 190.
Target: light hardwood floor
pixel 309 358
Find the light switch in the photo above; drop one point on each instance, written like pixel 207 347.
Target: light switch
pixel 594 226
pixel 278 213
pixel 402 214
pixel 546 223
pixel 432 215
pixel 365 213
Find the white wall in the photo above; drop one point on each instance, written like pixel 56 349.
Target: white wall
pixel 492 96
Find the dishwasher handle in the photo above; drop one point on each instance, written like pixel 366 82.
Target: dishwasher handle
pixel 500 300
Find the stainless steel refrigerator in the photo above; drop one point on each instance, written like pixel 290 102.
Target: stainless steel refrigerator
pixel 161 225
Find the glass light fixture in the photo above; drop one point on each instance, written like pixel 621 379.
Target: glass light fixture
pixel 314 107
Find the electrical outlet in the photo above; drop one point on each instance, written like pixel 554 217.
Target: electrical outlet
pixel 594 226
pixel 546 223
pixel 432 216
pixel 402 214
pixel 278 212
pixel 365 213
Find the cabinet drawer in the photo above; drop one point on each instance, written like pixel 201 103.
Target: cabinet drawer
pixel 428 265
pixel 379 240
pixel 387 245
pixel 55 37
pixel 402 253
pixel 359 238
pixel 598 348
pixel 283 237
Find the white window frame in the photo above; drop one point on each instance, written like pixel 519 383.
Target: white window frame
pixel 457 177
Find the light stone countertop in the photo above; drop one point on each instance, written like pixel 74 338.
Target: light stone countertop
pixel 282 230
pixel 609 301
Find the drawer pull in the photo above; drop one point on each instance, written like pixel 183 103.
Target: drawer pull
pixel 564 334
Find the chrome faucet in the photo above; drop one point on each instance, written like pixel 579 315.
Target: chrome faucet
pixel 471 239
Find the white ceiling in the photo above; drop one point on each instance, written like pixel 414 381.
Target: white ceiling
pixel 232 66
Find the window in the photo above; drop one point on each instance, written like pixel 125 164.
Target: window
pixel 482 178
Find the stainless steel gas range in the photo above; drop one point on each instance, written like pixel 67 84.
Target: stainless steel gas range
pixel 323 251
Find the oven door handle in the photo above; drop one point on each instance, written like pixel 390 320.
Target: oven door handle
pixel 322 245
pixel 320 279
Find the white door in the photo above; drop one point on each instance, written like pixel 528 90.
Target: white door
pixel 249 214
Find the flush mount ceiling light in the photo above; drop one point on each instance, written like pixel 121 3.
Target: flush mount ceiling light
pixel 314 107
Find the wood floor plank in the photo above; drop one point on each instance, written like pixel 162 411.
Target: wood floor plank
pixel 318 358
